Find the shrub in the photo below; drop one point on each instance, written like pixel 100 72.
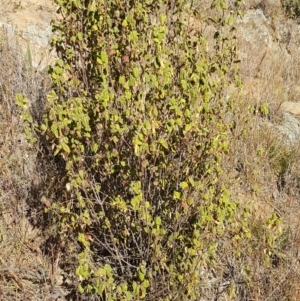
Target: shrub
pixel 139 120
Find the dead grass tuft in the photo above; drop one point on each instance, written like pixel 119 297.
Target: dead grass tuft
pixel 26 273
pixel 264 170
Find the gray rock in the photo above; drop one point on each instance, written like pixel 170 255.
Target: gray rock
pixel 290 128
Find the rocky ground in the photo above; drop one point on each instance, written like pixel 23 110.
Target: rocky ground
pixel 269 53
pixel 29 20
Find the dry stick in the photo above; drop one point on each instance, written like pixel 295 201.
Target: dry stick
pixel 115 249
pixel 284 278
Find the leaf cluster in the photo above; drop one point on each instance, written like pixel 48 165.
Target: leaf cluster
pixel 140 116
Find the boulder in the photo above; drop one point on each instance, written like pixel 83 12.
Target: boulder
pixel 291 107
pixel 289 128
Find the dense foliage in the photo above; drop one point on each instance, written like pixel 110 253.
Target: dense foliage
pixel 139 119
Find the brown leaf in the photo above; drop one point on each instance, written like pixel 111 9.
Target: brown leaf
pixel 185 206
pixel 126 59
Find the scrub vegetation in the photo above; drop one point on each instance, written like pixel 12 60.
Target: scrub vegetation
pixel 141 171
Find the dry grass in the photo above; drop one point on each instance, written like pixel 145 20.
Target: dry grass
pixel 264 170
pixel 26 273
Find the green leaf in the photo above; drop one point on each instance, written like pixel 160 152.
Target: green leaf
pixel 107 268
pixel 158 221
pixel 162 19
pixel 188 127
pixel 21 101
pixel 80 289
pixel 176 195
pixel 60 62
pixel 122 79
pixel 145 283
pixel 65 147
pixel 179 121
pixel 79 36
pixel 104 57
pixel 135 288
pixel 163 142
pixel 184 84
pixel 44 128
pixel 135 203
pixel 54 130
pixel 141 275
pixel 192 182
pixel 184 185
pixel 58 70
pixel 135 72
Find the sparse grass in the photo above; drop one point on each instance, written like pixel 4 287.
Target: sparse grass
pixel 25 271
pixel 265 169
